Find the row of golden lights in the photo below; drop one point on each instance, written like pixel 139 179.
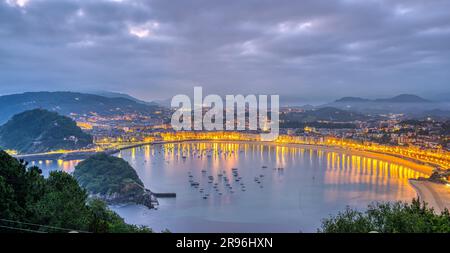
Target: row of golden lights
pixel 334 161
pixel 440 158
pixel 437 157
pixel 350 164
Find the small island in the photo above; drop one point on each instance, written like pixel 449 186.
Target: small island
pixel 113 180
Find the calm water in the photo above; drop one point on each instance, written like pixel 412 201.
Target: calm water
pixel 281 189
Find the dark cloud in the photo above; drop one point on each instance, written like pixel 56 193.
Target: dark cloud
pixel 316 50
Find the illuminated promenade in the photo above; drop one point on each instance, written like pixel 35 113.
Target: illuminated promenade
pixel 437 158
pixel 427 158
pixel 352 157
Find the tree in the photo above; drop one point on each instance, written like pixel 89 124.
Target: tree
pixel 53 204
pixel 398 217
pixel 63 203
pixel 103 220
pixel 41 131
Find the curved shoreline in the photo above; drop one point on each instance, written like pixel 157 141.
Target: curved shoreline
pixel 435 195
pixel 413 164
pixel 425 191
pixel 438 199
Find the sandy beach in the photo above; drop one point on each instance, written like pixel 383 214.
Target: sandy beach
pixel 436 195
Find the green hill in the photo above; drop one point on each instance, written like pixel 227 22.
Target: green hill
pixel 104 174
pixel 39 130
pixel 112 179
pixel 66 103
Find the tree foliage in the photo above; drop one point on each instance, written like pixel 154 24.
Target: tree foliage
pixel 56 202
pixel 48 131
pixel 398 217
pixel 106 174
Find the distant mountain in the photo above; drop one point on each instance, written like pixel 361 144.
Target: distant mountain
pixel 403 98
pixel 324 114
pixel 163 102
pixel 66 103
pixel 39 130
pixel 410 105
pixel 123 95
pixel 352 100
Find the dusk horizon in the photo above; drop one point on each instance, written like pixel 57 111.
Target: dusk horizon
pixel 207 124
pixel 153 50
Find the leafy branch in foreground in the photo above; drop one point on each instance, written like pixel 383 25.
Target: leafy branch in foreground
pixel 397 217
pixel 30 202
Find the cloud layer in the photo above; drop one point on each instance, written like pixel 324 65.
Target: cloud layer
pixel 311 49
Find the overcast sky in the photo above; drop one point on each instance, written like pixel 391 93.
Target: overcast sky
pixel 310 49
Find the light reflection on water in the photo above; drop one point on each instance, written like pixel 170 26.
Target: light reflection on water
pixel 49 165
pixel 310 185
